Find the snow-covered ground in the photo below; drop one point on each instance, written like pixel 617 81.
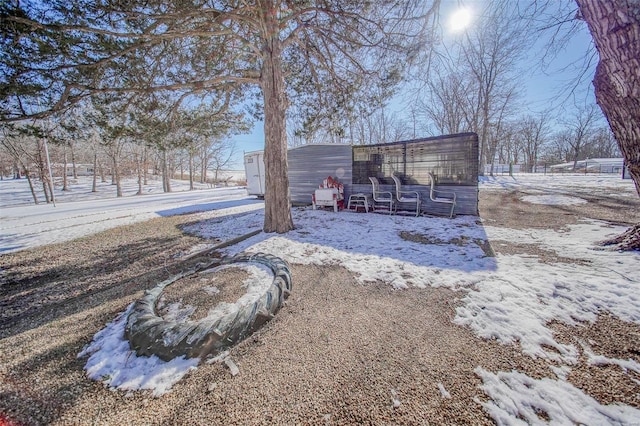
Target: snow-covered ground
pixel 78 211
pixel 509 298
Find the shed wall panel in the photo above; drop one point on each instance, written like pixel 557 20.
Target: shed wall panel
pixel 309 165
pixel 466 197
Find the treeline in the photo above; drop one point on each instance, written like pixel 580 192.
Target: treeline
pixel 113 144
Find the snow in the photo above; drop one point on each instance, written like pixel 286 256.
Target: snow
pixel 79 211
pixel 510 298
pixel 518 399
pixel 117 366
pixel 443 391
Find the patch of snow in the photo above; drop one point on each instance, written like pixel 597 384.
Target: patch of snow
pixel 395 401
pixel 443 391
pixel 593 359
pixel 112 361
pixel 517 399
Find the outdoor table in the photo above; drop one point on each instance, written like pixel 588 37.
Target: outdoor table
pixel 358 200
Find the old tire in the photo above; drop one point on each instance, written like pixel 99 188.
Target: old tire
pixel 149 334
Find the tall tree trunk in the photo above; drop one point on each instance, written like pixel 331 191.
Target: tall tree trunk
pixel 277 199
pixel 139 166
pixel 42 171
pixel 46 172
pixel 191 187
pixel 113 168
pixel 65 182
pixel 116 177
pixel 73 163
pixel 205 165
pixel 103 177
pixel 166 179
pixel 94 185
pixel 45 189
pixel 615 28
pixel 31 187
pixel 145 165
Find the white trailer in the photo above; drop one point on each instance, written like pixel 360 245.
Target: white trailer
pixel 255 172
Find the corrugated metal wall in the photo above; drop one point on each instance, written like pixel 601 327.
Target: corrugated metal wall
pixel 309 165
pixel 452 158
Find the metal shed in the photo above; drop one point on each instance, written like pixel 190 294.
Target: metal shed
pixel 452 158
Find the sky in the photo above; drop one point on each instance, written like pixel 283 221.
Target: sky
pixel 543 87
pixel 507 297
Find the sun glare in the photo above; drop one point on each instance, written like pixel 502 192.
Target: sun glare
pixel 460 19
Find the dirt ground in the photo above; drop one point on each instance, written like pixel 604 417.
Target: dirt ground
pixel 338 353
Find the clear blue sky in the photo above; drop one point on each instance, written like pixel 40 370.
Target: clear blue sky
pixel 543 88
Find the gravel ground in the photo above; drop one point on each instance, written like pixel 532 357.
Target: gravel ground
pixel 337 353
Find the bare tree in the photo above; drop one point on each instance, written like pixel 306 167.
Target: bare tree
pixel 447 105
pixel 474 87
pixel 491 54
pixel 602 144
pixel 533 131
pixel 561 145
pixel 16 145
pixel 581 127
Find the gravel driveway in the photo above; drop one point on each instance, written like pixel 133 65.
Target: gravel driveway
pixel 337 353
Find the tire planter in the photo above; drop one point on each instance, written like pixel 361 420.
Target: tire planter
pixel 150 334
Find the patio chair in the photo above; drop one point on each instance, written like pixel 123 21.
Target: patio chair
pixel 382 200
pixel 330 193
pixel 447 197
pixel 406 197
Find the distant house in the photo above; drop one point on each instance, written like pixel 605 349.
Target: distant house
pixel 81 169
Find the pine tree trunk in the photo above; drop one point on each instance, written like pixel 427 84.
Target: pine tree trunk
pixel 73 163
pixel 116 177
pixel 64 171
pixel 94 184
pixel 615 28
pixel 277 200
pixel 191 187
pixel 139 166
